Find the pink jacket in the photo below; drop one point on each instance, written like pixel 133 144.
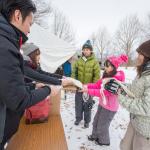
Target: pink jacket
pixel 111 99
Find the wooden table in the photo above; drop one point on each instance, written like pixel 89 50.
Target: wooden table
pixel 45 136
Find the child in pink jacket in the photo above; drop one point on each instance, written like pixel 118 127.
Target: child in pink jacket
pixel 108 103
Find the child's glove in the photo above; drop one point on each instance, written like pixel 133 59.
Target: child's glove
pixel 113 87
pixel 90 106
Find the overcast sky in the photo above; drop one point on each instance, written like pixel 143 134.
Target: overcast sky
pixel 86 16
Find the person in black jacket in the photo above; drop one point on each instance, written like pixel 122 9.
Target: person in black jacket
pixel 32 69
pixel 16 17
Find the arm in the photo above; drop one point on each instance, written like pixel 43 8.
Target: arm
pixel 49 74
pixel 96 92
pixel 94 89
pixel 13 91
pixel 139 106
pixel 96 85
pixel 96 72
pixel 39 77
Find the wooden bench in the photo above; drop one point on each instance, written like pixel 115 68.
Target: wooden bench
pixel 45 136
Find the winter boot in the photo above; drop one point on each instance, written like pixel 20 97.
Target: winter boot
pixel 86 125
pixel 76 122
pixel 101 144
pixel 91 138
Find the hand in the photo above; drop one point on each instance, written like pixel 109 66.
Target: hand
pixel 112 86
pixel 66 82
pixel 39 85
pixel 54 90
pixel 122 91
pixel 64 77
pixel 84 89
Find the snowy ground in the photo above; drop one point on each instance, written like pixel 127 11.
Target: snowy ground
pixel 77 135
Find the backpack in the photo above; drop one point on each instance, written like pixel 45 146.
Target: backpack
pixel 38 113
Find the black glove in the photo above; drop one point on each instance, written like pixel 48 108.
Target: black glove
pixel 113 87
pixel 90 105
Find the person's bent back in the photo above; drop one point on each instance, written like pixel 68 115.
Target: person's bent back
pixel 16 17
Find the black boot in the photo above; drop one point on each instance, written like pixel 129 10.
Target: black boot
pixel 76 122
pixel 86 125
pixel 101 144
pixel 91 138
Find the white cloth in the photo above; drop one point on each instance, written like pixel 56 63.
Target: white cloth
pixel 54 51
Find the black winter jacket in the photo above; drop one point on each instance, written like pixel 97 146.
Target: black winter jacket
pixel 38 75
pixel 15 96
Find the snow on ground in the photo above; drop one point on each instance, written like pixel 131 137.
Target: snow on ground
pixel 77 135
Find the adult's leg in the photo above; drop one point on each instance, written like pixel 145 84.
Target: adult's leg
pixel 127 142
pixel 140 142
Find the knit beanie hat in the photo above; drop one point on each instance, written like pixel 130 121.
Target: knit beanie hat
pixel 118 60
pixel 28 48
pixel 87 44
pixel 144 49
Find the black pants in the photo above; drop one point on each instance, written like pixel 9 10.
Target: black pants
pixel 11 126
pixel 82 107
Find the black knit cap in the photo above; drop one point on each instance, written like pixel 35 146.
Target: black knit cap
pixel 144 49
pixel 87 45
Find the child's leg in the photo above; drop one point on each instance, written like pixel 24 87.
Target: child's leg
pixel 87 110
pixel 78 106
pixel 103 124
pixel 94 131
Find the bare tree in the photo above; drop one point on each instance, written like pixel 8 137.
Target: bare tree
pixel 50 17
pixel 128 33
pixel 44 10
pixel 146 29
pixel 102 41
pixel 148 26
pixel 62 28
pixel 93 39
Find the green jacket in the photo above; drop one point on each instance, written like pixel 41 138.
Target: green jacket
pixel 86 71
pixel 139 107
